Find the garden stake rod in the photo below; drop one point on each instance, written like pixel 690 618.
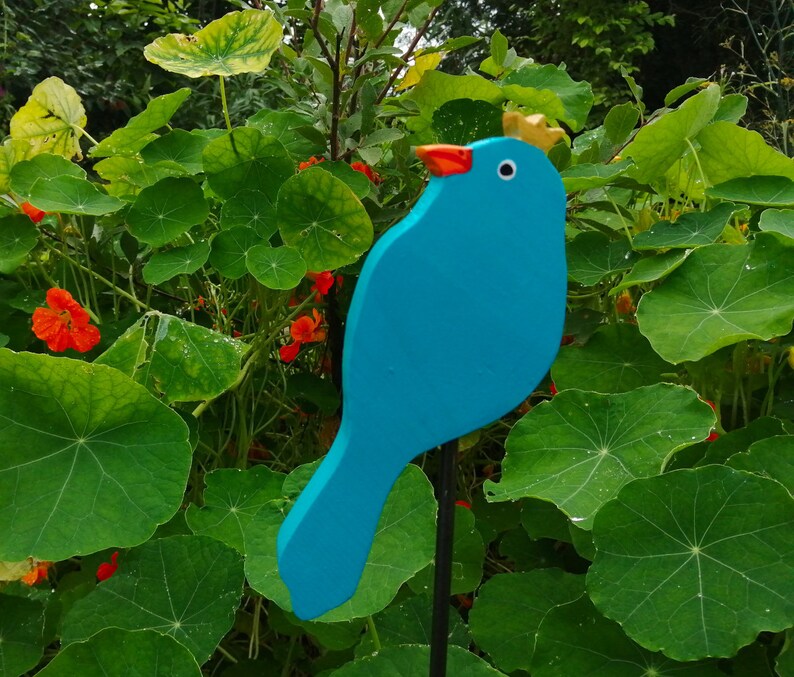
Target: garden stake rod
pixel 439 637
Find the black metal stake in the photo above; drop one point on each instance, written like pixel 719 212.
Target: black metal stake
pixel 439 636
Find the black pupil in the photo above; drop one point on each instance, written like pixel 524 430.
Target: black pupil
pixel 506 169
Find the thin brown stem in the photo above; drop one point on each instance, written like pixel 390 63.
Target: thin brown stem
pixel 315 25
pixel 391 25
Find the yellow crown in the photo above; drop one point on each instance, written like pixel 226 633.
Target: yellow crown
pixel 532 129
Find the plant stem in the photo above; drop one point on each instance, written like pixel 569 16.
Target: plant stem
pixel 224 104
pixel 373 631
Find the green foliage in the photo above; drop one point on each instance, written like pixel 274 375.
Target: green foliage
pixel 611 530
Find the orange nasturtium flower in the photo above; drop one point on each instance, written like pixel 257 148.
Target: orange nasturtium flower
pixel 64 324
pixel 37 574
pixel 34 213
pixel 107 569
pixel 308 330
pixel 322 281
pixel 365 169
pixel 311 161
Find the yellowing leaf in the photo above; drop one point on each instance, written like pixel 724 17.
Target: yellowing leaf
pixel 422 63
pixel 50 121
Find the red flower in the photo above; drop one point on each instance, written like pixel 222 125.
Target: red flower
pixel 623 304
pixel 365 169
pixel 307 330
pixel 567 339
pixel 311 161
pixel 107 569
pixel 289 352
pixel 64 324
pixel 34 213
pixel 713 436
pixel 322 281
pixel 37 574
pixel 553 389
pixel 463 504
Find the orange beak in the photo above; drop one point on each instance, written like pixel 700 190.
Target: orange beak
pixel 444 159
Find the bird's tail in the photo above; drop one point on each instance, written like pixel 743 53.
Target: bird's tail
pixel 325 540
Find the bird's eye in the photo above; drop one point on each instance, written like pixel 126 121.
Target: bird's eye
pixel 507 170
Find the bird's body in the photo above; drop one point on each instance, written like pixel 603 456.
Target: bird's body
pixel 456 317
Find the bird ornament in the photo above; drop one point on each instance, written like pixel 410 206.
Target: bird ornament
pixel 456 317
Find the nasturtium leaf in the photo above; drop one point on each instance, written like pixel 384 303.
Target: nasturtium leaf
pixel 127 175
pixel 770 191
pixel 229 248
pixel 411 660
pixel 693 229
pixel 681 90
pixel 740 440
pixel 246 159
pixel 411 623
pixel 778 221
pixel 21 634
pixel 239 42
pixel 276 267
pixel 509 608
pixel 732 108
pixel 114 651
pixel 772 458
pixel 251 208
pixel 92 463
pixel 45 166
pixel 286 127
pixel 140 129
pixel 620 122
pixel 616 359
pixel 178 261
pixel 437 88
pixel 468 555
pixel 164 211
pixel 784 664
pixel 574 639
pixel 463 121
pixel 49 122
pixel 177 146
pixel 588 176
pixel 8 156
pixel 69 194
pixel 315 391
pixel 660 144
pixel 650 269
pixel 576 98
pixel 578 449
pixel 721 294
pixel 231 498
pixel 188 587
pixel 542 519
pixel 18 235
pixel 695 563
pixel 728 151
pixel 358 182
pixel 128 352
pixel 322 218
pixel 403 544
pixel 592 256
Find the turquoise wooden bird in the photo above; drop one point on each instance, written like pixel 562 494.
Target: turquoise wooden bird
pixel 456 317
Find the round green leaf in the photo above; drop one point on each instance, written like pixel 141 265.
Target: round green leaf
pixel 252 209
pixel 231 499
pixel 179 146
pixel 240 42
pixel 463 121
pixel 509 609
pixel 21 629
pixel 772 457
pixel 580 448
pixel 127 175
pixel 574 639
pixel 322 218
pixel 586 176
pixel 113 651
pixel 592 256
pixel 720 295
pixel 771 191
pixel 693 229
pixel 18 235
pixel 650 269
pixel 616 359
pixel 229 248
pixel 69 194
pixel 411 623
pixel 403 545
pixel 178 261
pixel 778 221
pixel 246 159
pixel 45 166
pixel 276 267
pixel 49 121
pixel 696 563
pixel 164 211
pixel 188 587
pixel 358 182
pixel 90 459
pixel 296 132
pixel 411 660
